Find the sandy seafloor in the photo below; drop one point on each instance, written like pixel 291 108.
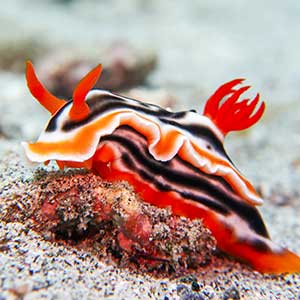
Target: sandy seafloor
pixel 199 45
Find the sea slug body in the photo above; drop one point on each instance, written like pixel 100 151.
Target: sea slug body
pixel 174 159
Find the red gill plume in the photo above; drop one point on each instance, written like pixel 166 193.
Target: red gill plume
pixel 232 114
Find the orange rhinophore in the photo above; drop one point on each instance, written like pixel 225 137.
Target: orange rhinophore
pixel 39 92
pixel 80 109
pixel 172 159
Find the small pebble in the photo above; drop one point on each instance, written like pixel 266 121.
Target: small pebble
pixel 231 293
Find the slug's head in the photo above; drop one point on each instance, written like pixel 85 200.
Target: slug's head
pixel 79 109
pixel 232 115
pixel 53 143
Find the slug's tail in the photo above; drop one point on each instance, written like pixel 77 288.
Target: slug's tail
pixel 265 259
pixel 285 262
pixel 275 263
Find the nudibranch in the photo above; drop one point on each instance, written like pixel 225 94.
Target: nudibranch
pixel 172 159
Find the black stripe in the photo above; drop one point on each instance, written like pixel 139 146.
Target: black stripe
pixel 142 155
pixel 103 104
pixel 141 152
pixel 106 103
pixel 150 177
pixel 227 200
pixel 203 133
pixel 52 124
pixel 258 244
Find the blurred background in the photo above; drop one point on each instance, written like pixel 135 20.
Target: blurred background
pixel 171 53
